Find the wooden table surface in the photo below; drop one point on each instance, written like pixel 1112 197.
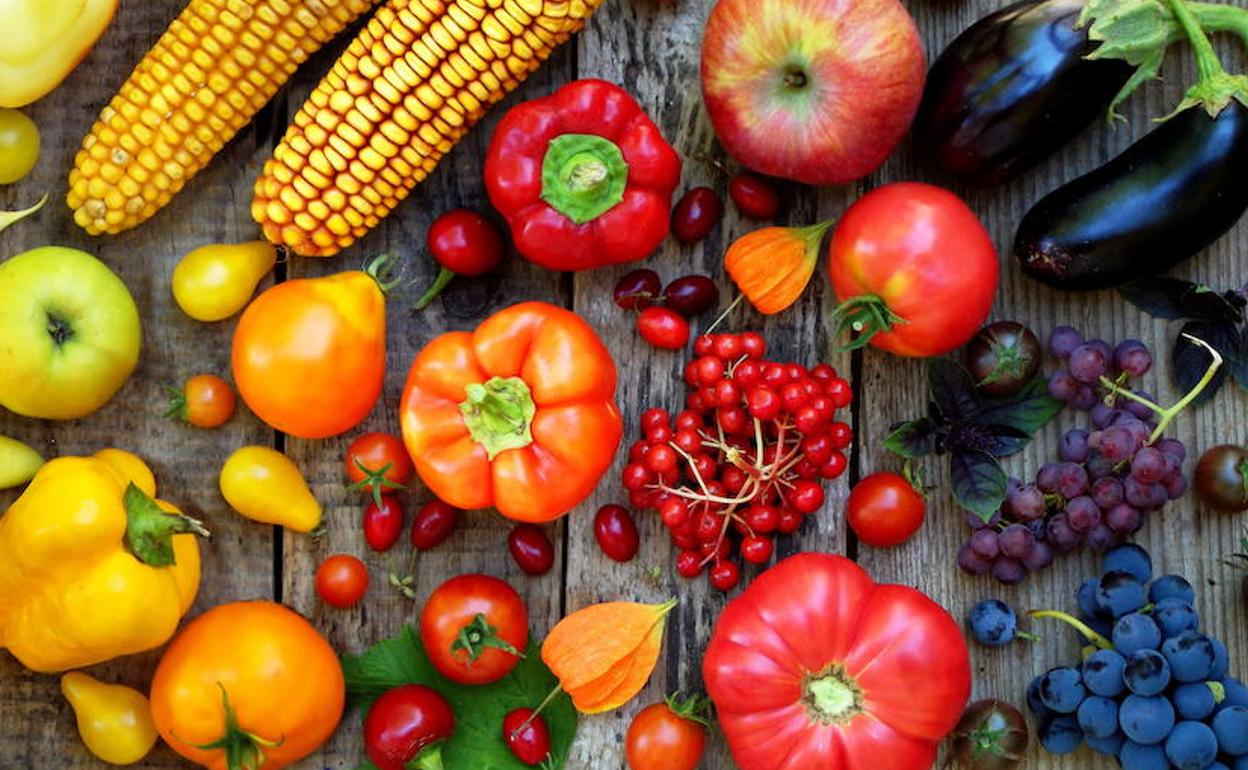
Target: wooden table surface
pixel 652 47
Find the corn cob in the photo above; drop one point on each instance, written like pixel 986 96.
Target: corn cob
pixel 408 88
pixel 215 66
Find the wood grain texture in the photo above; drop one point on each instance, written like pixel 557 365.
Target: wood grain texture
pixel 652 48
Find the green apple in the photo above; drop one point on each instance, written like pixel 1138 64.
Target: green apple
pixel 69 333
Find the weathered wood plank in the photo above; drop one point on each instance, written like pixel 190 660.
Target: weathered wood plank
pixel 36 725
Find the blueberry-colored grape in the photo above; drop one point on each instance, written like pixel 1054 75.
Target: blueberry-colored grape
pixel 1061 690
pixel 1235 693
pixel 993 623
pixel 1120 593
pixel 1059 734
pixel 1190 655
pixel 1146 672
pixel 1074 446
pixel 1174 616
pixel 1098 717
pixel 1088 363
pixel 1136 756
pixel 1034 704
pixel 1131 559
pixel 1132 358
pixel 1102 673
pixel 1193 700
pixel 1134 632
pixel 1083 514
pixel 1221 659
pixel 1107 492
pixel 1191 746
pixel 1240 763
pixel 1102 626
pixel 1063 340
pixel 1088 600
pixel 1109 745
pixel 1231 728
pixel 1146 719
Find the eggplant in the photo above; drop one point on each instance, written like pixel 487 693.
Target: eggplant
pixel 1165 198
pixel 1012 89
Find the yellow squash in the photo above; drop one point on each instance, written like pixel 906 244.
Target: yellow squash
pixel 114 721
pixel 91 566
pixel 41 41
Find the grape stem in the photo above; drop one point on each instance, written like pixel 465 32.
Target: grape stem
pixel 1167 415
pixel 1075 623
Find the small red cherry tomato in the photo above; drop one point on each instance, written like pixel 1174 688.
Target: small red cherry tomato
pixel 205 401
pixel 383 524
pixel 406 728
pixel 666 736
pixel 529 742
pixel 341 581
pixel 376 463
pixel 695 214
pixel 754 196
pixel 616 532
pixel 885 509
pixel 532 549
pixel 464 243
pixel 663 328
pixel 434 523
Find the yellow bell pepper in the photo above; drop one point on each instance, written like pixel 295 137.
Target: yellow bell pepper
pixel 115 721
pixel 42 41
pixel 91 566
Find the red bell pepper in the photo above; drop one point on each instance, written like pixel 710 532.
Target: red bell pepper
pixel 583 177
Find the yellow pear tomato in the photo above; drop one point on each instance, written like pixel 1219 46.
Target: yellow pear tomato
pixel 265 485
pixel 216 281
pixel 115 721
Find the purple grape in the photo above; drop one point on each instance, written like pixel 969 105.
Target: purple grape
pixel 1039 529
pixel 1062 386
pixel 1074 446
pixel 974 522
pixel 1046 479
pixel 985 543
pixel 1103 414
pixel 1174 466
pixel 1061 535
pixel 1103 347
pixel 1158 496
pixel 1132 358
pixel 1148 466
pixel 1176 486
pixel 1085 398
pixel 1016 541
pixel 1026 503
pixel 1098 467
pixel 1137 493
pixel 1063 340
pixel 1083 514
pixel 1041 556
pixel 971 562
pixel 1008 571
pixel 1107 492
pixel 1117 444
pixel 1072 480
pixel 1124 519
pixel 1101 539
pixel 1173 447
pixel 1088 364
pixel 1140 431
pixel 1138 409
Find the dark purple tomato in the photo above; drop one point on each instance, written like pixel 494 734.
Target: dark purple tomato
pixel 616 532
pixel 1221 479
pixel 1002 358
pixel 529 742
pixel 434 523
pixel 532 549
pixel 992 735
pixel 754 196
pixel 696 213
pixel 691 295
pixel 637 289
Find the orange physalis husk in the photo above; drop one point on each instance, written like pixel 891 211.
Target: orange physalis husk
pixel 604 654
pixel 773 266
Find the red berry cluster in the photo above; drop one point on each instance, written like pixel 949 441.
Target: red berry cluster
pixel 744 460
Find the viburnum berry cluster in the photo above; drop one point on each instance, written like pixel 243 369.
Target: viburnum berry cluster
pixel 744 460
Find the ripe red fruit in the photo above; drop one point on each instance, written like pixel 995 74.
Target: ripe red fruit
pixel 663 328
pixel 806 496
pixel 527 735
pixel 689 564
pixel 754 196
pixel 725 575
pixel 383 525
pixel 532 549
pixel 756 549
pixel 616 532
pixel 696 214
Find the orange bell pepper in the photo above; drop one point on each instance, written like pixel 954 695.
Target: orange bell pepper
pixel 41 42
pixel 519 415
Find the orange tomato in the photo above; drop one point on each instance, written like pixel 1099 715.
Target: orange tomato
pixel 205 401
pixel 519 415
pixel 310 354
pixel 255 673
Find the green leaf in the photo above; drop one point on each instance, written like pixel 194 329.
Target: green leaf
pixel 1025 412
pixel 479 711
pixel 979 484
pixel 912 439
pixel 952 389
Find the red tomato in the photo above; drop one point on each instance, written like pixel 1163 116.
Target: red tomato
pixel 383 524
pixel 205 401
pixel 341 581
pixel 406 728
pixel 378 462
pixel 660 738
pixel 816 665
pixel 474 629
pixel 885 509
pixel 663 328
pixel 913 268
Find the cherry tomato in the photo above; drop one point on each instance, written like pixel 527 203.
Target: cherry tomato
pixel 663 328
pixel 377 462
pixel 666 736
pixel 695 214
pixel 1221 478
pixel 637 289
pixel 754 196
pixel 691 295
pixel 1003 357
pixel 341 581
pixel 529 742
pixel 474 629
pixel 406 728
pixel 913 268
pixel 383 523
pixel 464 243
pixel 616 532
pixel 885 509
pixel 434 523
pixel 205 401
pixel 19 145
pixel 532 549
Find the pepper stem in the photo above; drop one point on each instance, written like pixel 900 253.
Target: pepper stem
pixel 150 529
pixel 499 414
pixel 1167 415
pixel 583 176
pixel 444 277
pixel 1075 623
pixel 1216 88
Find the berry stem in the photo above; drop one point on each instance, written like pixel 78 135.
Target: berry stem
pixel 1168 414
pixel 1075 623
pixel 727 311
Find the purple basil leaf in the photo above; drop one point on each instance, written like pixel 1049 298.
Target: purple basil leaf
pixel 952 389
pixel 1190 361
pixel 1159 297
pixel 1205 304
pixel 978 483
pixel 912 439
pixel 1239 367
pixel 1025 412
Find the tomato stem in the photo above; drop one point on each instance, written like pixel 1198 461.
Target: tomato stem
pixel 831 697
pixel 243 750
pixel 864 316
pixel 374 480
pixel 430 758
pixel 478 635
pixel 444 277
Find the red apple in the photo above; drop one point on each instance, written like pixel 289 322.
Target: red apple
pixel 818 91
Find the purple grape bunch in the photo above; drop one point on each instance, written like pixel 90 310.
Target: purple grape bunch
pixel 1107 475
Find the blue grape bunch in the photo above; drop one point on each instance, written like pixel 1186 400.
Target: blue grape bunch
pixel 1157 693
